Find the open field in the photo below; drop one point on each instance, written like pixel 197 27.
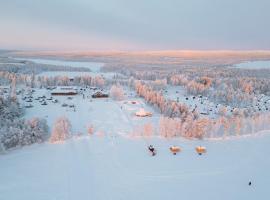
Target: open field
pixel 120 168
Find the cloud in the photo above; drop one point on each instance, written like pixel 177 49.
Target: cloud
pixel 126 24
pixel 23 35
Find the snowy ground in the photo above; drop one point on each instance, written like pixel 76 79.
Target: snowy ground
pixel 106 114
pixel 112 165
pixel 121 168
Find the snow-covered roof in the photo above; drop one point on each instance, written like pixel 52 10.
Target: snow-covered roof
pixel 143 113
pixel 65 91
pixel 67 88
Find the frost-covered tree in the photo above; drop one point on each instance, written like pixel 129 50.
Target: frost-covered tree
pixel 90 129
pixel 20 133
pixel 38 129
pixel 61 130
pixel 117 92
pixel 13 95
pixel 98 81
pixel 148 130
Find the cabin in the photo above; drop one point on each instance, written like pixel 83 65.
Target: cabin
pixel 100 95
pixel 64 91
pixel 143 113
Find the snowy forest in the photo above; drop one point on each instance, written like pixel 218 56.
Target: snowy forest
pixel 227 101
pixel 82 116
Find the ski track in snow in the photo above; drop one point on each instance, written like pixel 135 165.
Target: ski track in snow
pixel 114 167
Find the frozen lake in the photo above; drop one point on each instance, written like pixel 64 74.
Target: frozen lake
pixel 94 66
pixel 254 65
pixel 74 74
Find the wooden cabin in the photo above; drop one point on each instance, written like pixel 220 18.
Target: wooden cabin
pixel 143 113
pixel 100 95
pixel 64 91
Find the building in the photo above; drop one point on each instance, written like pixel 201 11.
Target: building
pixel 65 91
pixel 100 95
pixel 143 113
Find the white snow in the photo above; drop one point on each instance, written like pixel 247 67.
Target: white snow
pixel 106 114
pixel 115 167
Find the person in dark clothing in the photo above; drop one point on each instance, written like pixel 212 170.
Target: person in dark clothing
pixel 249 183
pixel 152 150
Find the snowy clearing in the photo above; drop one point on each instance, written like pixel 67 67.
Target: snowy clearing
pixel 120 168
pixel 105 114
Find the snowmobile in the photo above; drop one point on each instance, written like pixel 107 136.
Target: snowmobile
pixel 200 150
pixel 175 149
pixel 152 150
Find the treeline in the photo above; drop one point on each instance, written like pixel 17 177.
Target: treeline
pixel 178 120
pixel 234 91
pixel 15 131
pixel 28 67
pixel 32 80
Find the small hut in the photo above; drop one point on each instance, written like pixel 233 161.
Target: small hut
pixel 64 92
pixel 143 113
pixel 100 95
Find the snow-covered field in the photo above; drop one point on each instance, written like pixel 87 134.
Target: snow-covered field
pixel 112 165
pixel 108 167
pixel 106 115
